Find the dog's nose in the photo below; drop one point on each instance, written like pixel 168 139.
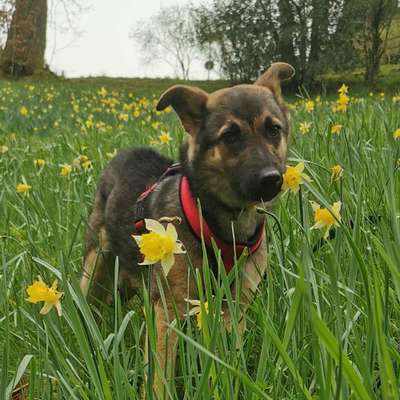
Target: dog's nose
pixel 270 178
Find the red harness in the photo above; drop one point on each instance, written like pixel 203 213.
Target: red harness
pixel 198 224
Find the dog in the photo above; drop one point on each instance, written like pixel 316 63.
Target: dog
pixel 233 160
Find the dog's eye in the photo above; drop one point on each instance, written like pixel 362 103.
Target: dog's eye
pixel 231 135
pixel 275 130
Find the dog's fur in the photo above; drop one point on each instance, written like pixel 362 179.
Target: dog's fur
pixel 234 158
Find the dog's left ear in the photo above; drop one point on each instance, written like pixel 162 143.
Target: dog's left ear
pixel 188 102
pixel 275 75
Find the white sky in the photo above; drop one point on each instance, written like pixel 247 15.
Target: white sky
pixel 104 47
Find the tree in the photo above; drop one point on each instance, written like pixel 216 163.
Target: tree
pixel 378 20
pixel 26 40
pixel 169 36
pixel 6 10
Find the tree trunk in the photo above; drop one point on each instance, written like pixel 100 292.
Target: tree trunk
pixel 319 37
pixel 286 33
pixel 26 40
pixel 380 18
pixel 286 43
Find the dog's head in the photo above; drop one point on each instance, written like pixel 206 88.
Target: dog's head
pixel 237 138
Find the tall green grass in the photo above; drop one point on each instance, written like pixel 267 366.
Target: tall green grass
pixel 325 322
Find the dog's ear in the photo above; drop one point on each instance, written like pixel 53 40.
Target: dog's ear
pixel 275 75
pixel 188 102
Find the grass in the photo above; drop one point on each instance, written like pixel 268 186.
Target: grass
pixel 325 321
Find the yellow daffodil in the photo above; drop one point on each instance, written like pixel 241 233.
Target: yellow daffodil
pixel 123 117
pixel 87 164
pixel 39 163
pixel 342 103
pixel 23 188
pixel 309 105
pixel 326 218
pixel 337 172
pixel 23 111
pixel 344 89
pixel 305 127
pixel 198 311
pixel 103 92
pixel 294 177
pixel 396 133
pixel 335 130
pixel 66 170
pixel 164 138
pixel 39 291
pixel 159 244
pixel 3 149
pixel 89 124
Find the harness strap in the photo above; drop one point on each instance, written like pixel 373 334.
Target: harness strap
pixel 140 211
pixel 201 229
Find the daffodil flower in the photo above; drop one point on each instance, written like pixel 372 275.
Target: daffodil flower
pixel 396 133
pixel 344 89
pixel 294 177
pixel 325 218
pixel 197 311
pixel 164 138
pixel 335 130
pixel 159 245
pixel 337 172
pixel 23 188
pixel 39 291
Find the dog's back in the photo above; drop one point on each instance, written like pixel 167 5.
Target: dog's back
pixel 110 226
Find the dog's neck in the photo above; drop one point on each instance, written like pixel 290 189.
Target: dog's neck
pixel 240 224
pixel 229 224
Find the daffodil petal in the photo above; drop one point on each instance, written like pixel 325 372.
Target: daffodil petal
pixel 167 262
pixel 171 232
pixel 193 302
pixel 154 226
pixel 315 206
pixel 46 308
pixel 137 239
pixel 299 167
pixel 58 308
pixel 318 225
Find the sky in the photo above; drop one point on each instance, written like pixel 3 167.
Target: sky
pixel 103 46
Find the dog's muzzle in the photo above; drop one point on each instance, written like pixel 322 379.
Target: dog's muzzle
pixel 263 185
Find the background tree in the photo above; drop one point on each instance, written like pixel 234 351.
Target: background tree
pixel 26 41
pixel 312 35
pixel 6 10
pixel 378 20
pixel 169 36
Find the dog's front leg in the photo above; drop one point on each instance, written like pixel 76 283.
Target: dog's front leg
pixel 252 274
pixel 166 351
pixel 178 289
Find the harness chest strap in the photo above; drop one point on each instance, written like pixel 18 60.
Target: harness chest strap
pixel 196 222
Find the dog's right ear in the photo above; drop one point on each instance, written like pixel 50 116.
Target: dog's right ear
pixel 188 102
pixel 276 74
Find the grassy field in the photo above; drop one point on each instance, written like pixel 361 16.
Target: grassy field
pixel 325 323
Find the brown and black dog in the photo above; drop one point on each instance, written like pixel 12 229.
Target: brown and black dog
pixel 233 160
